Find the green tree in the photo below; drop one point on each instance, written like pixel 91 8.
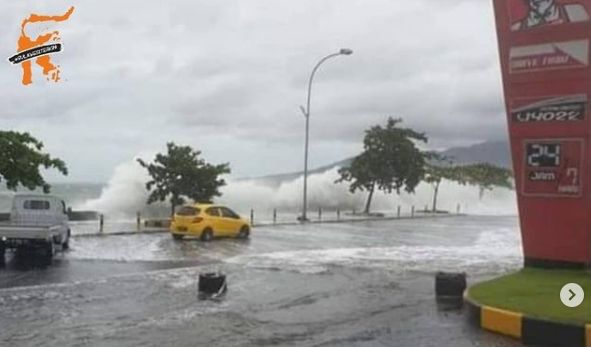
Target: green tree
pixel 180 174
pixel 21 158
pixel 485 176
pixel 434 174
pixel 390 161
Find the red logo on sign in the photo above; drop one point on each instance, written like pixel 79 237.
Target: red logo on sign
pixel 528 14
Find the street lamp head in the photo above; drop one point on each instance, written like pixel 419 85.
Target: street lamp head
pixel 346 51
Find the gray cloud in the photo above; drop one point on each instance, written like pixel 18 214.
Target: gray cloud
pixel 228 77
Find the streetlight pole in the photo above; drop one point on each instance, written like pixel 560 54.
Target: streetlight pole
pixel 306 112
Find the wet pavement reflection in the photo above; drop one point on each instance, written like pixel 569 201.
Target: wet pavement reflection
pixel 367 284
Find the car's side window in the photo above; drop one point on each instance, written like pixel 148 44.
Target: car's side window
pixel 188 211
pixel 227 213
pixel 213 211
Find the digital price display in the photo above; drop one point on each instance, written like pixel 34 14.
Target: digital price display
pixel 552 167
pixel 543 154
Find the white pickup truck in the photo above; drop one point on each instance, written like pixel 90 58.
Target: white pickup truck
pixel 36 221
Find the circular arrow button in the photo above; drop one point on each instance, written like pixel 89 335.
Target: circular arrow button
pixel 572 295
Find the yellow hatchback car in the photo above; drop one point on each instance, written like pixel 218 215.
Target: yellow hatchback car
pixel 208 221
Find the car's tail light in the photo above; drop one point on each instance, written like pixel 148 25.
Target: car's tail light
pixel 197 220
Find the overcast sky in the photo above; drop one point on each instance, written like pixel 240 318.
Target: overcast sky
pixel 227 77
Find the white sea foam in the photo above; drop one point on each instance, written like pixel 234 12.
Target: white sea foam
pixel 125 194
pixel 499 248
pixel 136 248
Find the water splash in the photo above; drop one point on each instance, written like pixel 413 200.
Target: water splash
pixel 496 250
pixel 125 194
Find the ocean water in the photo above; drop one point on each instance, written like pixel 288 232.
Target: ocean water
pixel 124 195
pixel 75 194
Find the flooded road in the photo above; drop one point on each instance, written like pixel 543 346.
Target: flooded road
pixel 362 284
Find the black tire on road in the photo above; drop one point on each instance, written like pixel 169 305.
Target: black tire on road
pixel 207 235
pixel 2 252
pixel 244 232
pixel 212 283
pixel 450 284
pixel 177 237
pixel 49 250
pixel 66 244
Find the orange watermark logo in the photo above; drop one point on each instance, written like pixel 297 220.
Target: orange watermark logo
pixel 39 48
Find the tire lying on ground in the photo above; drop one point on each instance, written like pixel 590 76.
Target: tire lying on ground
pixel 212 284
pixel 450 284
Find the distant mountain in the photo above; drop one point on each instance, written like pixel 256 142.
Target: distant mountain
pixel 493 152
pixel 276 180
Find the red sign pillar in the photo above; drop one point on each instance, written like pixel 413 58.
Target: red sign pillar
pixel 544 50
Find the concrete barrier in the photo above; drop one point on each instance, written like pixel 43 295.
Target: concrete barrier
pixel 529 330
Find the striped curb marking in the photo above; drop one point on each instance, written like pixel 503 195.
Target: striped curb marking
pixel 531 331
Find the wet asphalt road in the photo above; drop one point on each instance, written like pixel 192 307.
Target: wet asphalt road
pixel 363 284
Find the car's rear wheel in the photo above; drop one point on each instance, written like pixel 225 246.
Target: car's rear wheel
pixel 207 235
pixel 244 232
pixel 177 237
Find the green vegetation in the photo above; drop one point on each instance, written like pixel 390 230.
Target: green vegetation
pixel 485 176
pixel 434 174
pixel 536 293
pixel 21 158
pixel 390 161
pixel 180 174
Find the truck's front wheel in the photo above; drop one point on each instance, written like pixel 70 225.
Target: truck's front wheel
pixel 66 244
pixel 49 250
pixel 2 252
